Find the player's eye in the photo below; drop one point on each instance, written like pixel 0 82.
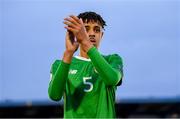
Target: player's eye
pixel 87 28
pixel 97 30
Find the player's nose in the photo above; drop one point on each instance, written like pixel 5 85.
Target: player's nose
pixel 91 36
pixel 91 32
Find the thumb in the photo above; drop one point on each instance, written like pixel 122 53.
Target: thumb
pixel 76 44
pixel 81 20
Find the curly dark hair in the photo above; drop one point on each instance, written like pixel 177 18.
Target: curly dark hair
pixel 92 16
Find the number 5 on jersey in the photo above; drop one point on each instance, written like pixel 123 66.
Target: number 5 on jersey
pixel 85 81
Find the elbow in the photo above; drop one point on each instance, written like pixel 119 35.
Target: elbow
pixel 53 96
pixel 116 78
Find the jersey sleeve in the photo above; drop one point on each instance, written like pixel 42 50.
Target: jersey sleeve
pixel 117 63
pixel 59 73
pixel 107 70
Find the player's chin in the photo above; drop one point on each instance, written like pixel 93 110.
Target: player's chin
pixel 95 45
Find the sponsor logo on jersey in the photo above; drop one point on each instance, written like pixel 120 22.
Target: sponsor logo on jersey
pixel 95 70
pixel 71 71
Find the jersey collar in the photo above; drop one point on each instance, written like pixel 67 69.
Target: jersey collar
pixel 82 58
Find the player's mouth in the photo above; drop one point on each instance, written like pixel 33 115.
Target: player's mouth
pixel 92 40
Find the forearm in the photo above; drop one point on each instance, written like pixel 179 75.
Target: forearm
pixel 109 75
pixel 67 57
pixel 58 82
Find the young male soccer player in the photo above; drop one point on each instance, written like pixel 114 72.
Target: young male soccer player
pixel 87 82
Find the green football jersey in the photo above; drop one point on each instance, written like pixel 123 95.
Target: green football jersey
pixel 85 93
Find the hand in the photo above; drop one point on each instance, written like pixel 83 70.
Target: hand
pixel 75 25
pixel 71 47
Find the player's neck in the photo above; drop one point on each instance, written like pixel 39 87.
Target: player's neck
pixel 82 53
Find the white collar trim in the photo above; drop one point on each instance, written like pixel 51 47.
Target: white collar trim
pixel 83 58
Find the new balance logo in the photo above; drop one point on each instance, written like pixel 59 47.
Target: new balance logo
pixel 95 70
pixel 71 71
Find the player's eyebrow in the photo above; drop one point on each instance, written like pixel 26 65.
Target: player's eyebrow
pixel 86 26
pixel 97 27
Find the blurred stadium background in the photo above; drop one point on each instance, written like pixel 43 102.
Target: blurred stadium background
pixel 146 33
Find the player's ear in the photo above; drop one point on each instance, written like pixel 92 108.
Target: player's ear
pixel 102 34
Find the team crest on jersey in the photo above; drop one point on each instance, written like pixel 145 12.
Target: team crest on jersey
pixel 71 71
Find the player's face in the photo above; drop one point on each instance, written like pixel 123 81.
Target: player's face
pixel 95 32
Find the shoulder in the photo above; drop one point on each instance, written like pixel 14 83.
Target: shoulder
pixel 56 62
pixel 113 58
pixel 55 65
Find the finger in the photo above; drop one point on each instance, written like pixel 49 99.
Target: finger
pixel 68 41
pixel 81 21
pixel 71 29
pixel 67 36
pixel 75 18
pixel 76 44
pixel 70 19
pixel 70 24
